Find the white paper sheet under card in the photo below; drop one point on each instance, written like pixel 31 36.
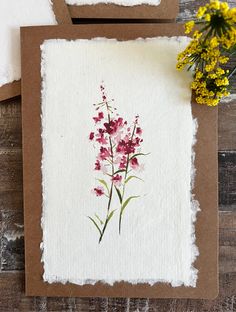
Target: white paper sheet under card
pixel 13 14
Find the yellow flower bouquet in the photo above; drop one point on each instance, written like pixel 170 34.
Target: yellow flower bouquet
pixel 213 44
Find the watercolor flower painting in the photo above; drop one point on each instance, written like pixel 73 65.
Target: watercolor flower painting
pixel 119 148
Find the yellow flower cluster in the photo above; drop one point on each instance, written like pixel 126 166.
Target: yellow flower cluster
pixel 189 27
pixel 210 88
pixel 207 51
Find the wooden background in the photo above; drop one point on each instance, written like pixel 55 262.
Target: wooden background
pixel 12 229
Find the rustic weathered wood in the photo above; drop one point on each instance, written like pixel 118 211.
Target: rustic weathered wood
pixel 227 126
pixel 13 299
pixel 10 124
pixel 12 238
pixel 227 180
pixel 11 221
pixel 188 8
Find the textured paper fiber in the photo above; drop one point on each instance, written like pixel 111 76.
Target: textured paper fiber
pixel 156 242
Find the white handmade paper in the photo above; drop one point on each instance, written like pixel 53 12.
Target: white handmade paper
pixel 13 14
pixel 144 89
pixel 118 2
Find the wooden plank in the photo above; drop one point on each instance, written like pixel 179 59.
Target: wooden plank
pixel 188 8
pixel 227 180
pixel 227 126
pixel 12 299
pixel 10 170
pixel 10 124
pixel 227 252
pixel 12 231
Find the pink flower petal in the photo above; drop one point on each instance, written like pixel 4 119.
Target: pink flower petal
pixel 99 191
pixel 117 179
pixel 91 136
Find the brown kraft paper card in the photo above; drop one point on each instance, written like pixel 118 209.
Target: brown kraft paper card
pixel 166 10
pixel 205 183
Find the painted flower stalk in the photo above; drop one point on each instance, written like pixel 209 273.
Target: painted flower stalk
pixel 118 159
pixel 212 46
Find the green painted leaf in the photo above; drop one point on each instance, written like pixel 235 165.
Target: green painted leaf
pixel 132 177
pixel 99 219
pixel 139 154
pixel 119 194
pixel 110 215
pixel 126 203
pixel 103 182
pixel 96 225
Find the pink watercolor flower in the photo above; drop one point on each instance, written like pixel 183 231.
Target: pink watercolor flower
pixel 134 164
pixel 117 180
pixel 97 165
pixel 113 126
pixel 104 153
pixel 99 117
pixel 101 137
pixel 126 148
pixel 137 141
pixel 123 163
pixel 119 148
pixel 99 191
pixel 102 140
pixel 104 97
pixel 139 131
pixel 91 136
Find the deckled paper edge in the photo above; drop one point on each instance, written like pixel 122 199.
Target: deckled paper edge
pixel 119 2
pixel 195 206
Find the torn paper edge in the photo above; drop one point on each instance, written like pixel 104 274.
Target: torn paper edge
pixel 127 3
pixel 195 207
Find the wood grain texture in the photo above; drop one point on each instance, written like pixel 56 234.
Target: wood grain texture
pixel 11 222
pixel 13 299
pixel 188 8
pixel 227 126
pixel 227 180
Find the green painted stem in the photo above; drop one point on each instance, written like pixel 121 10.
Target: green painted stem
pixel 112 184
pixel 123 191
